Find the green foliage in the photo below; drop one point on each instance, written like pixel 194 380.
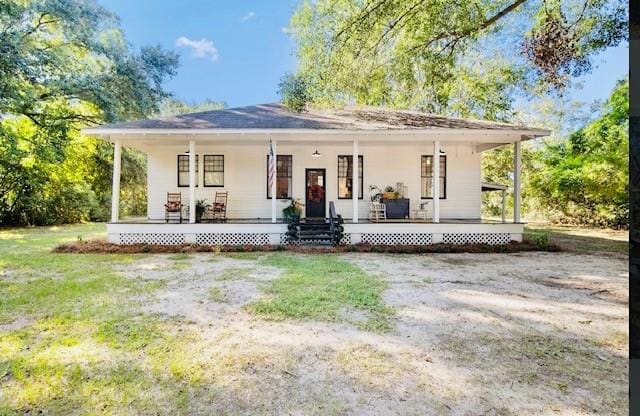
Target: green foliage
pixel 580 179
pixel 201 206
pixel 564 36
pixel 171 107
pixel 339 230
pixel 584 179
pixel 444 56
pixel 539 239
pixel 497 167
pixel 133 181
pixel 65 64
pixel 291 214
pixel 292 211
pixel 294 92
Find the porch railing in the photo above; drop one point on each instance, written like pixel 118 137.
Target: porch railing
pixel 332 218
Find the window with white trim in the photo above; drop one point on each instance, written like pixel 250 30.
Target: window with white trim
pixel 284 177
pixel 426 176
pixel 214 170
pixel 345 176
pixel 183 170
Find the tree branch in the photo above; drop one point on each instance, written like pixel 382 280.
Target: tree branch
pixel 41 23
pixel 366 13
pixel 395 23
pixel 464 33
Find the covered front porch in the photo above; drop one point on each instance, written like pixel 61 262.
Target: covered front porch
pixel 238 228
pixel 264 157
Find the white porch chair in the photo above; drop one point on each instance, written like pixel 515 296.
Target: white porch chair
pixel 421 211
pixel 377 211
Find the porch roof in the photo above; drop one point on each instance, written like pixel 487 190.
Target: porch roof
pixel 487 187
pixel 274 118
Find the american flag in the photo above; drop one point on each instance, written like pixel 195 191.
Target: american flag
pixel 272 166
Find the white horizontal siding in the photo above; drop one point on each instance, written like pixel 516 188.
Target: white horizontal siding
pixel 245 175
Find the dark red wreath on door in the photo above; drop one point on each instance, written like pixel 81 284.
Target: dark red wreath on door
pixel 316 193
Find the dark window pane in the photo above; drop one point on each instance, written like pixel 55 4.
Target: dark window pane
pixel 345 170
pixel 183 170
pixel 213 170
pixel 284 173
pixel 344 187
pixel 426 173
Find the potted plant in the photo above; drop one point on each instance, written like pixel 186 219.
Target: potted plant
pixel 375 193
pixel 292 211
pixel 389 193
pixel 201 205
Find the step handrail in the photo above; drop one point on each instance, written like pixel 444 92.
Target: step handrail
pixel 332 218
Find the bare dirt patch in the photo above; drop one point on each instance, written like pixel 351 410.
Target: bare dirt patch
pixel 191 279
pixel 525 333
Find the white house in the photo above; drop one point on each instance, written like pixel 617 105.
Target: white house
pixel 315 151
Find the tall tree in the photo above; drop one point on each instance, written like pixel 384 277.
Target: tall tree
pixel 444 56
pixel 172 106
pixel 584 179
pixel 64 64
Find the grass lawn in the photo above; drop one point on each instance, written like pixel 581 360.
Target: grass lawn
pixel 584 239
pixel 323 288
pixel 74 337
pixel 283 333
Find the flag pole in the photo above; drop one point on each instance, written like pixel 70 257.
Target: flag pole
pixel 273 171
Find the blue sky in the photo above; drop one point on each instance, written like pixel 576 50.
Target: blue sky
pixel 236 51
pixel 251 50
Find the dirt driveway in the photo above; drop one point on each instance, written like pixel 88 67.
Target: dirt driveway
pixel 467 334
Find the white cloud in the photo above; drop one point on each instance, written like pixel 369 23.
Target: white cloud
pixel 202 48
pixel 248 16
pixel 286 30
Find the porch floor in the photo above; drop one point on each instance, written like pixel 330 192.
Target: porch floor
pixel 143 220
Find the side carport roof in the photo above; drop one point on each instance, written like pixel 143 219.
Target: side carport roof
pixel 487 187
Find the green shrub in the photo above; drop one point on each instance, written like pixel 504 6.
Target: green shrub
pixel 540 240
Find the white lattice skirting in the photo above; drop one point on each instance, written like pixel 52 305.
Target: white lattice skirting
pixel 397 238
pixel 476 238
pixel 264 234
pixel 284 240
pixel 232 239
pixel 161 239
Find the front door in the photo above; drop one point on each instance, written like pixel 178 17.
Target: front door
pixel 315 195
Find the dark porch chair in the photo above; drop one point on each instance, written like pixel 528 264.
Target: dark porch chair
pixel 218 210
pixel 173 206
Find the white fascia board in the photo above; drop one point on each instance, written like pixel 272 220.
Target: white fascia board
pixel 417 134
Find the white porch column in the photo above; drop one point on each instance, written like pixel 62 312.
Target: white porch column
pixel 355 182
pixel 517 162
pixel 115 183
pixel 192 181
pixel 436 181
pixel 273 184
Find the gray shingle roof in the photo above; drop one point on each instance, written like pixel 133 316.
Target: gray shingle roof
pixel 275 116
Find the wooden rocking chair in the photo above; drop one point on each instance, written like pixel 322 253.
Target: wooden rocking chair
pixel 218 210
pixel 173 206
